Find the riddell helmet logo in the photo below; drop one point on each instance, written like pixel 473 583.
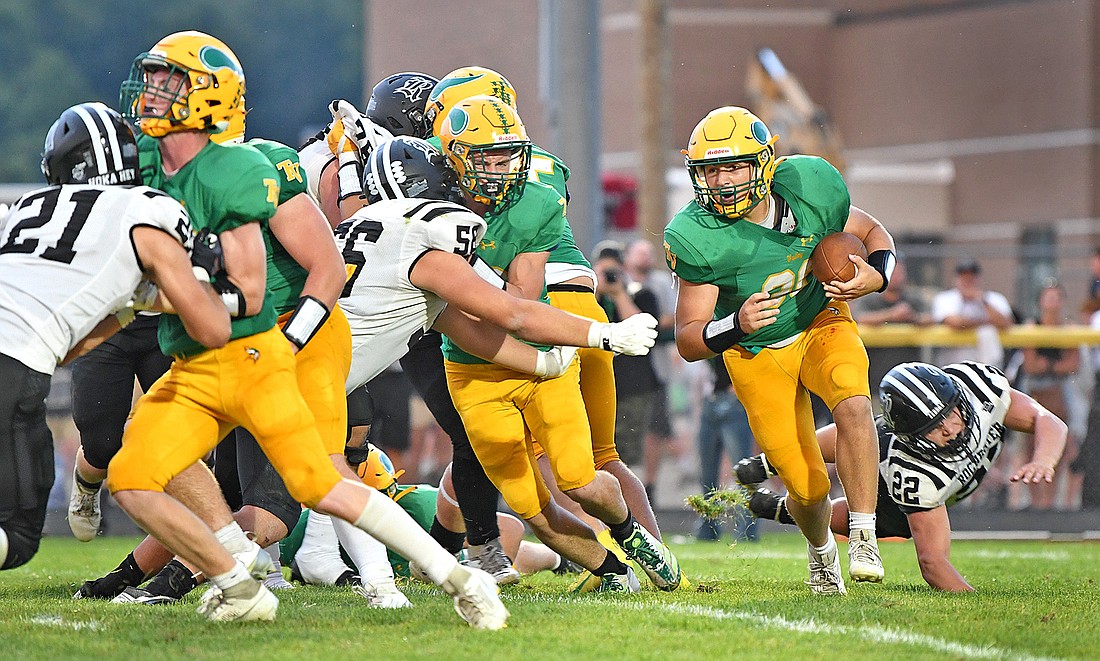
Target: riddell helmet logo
pixel 718 151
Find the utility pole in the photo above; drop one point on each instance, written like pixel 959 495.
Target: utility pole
pixel 652 188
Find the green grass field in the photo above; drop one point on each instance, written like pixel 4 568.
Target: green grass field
pixel 1036 600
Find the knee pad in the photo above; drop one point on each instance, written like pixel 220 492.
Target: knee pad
pixel 815 488
pixel 21 536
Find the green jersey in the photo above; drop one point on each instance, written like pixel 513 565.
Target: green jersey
pixel 534 223
pixel 548 169
pixel 223 187
pixel 742 258
pixel 285 277
pixel 419 502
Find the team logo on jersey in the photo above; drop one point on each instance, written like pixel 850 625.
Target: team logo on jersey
pixel 253 353
pixel 670 256
pixel 487 245
pixel 414 88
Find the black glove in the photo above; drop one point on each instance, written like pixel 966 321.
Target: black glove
pixel 207 259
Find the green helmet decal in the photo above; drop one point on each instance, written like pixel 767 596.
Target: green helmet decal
pixel 760 132
pixel 459 120
pixel 214 59
pixel 448 83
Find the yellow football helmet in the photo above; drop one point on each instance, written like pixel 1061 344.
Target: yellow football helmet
pixel 378 472
pixel 204 88
pixel 731 135
pixel 234 134
pixel 486 143
pixel 461 84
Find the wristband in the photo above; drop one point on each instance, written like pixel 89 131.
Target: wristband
pixel 884 262
pixel 355 456
pixel 487 273
pixel 721 334
pixel 309 315
pixel 599 336
pixel 350 175
pixel 231 295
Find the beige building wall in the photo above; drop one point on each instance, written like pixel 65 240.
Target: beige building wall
pixel 971 121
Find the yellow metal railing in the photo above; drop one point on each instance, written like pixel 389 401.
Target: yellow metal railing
pixel 910 335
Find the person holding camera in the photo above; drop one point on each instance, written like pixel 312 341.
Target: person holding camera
pixel 636 381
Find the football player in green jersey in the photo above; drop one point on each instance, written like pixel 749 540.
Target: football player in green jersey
pixel 181 91
pixel 741 250
pixel 485 141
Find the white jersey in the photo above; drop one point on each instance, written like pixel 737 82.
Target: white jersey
pixel 313 157
pixel 380 244
pixel 67 261
pixel 919 482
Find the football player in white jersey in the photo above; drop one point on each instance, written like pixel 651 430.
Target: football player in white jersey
pixel 72 257
pixel 409 269
pixel 940 431
pixel 395 108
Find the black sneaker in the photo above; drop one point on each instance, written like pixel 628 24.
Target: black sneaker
pixel 142 596
pixel 107 587
pixel 766 504
pixel 174 581
pixel 751 471
pixel 567 566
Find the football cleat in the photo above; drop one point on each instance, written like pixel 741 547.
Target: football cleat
pixel 622 583
pixel 490 558
pixel 275 581
pixel 586 582
pixel 382 593
pixel 477 598
pixel 85 514
pixel 864 563
pixel 655 559
pixel 142 596
pixel 566 566
pixel 751 471
pixel 767 504
pixel 221 608
pixel 825 575
pixel 256 561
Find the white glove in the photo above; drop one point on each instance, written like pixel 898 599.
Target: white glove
pixel 145 296
pixel 357 127
pixel 633 336
pixel 553 363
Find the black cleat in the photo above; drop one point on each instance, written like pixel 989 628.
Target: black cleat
pixel 767 504
pixel 751 471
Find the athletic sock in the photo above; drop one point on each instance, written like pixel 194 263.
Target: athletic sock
pixel 448 539
pixel 367 553
pixel 386 521
pixel 232 537
pixel 236 582
pixel 829 548
pixel 620 531
pixel 88 486
pixel 862 521
pixel 611 565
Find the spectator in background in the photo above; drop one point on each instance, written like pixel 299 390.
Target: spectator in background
pixel 1046 377
pixel 636 381
pixel 968 306
pixel 641 272
pixel 897 305
pixel 1088 457
pixel 723 423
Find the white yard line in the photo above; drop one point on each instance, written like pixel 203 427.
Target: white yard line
pixel 872 633
pixel 56 621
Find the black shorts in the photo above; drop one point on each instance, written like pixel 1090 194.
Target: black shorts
pixel 261 484
pixel 391 392
pixel 103 386
pixel 26 457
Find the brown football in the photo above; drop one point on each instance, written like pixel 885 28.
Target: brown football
pixel 829 260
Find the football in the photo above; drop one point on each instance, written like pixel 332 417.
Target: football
pixel 829 260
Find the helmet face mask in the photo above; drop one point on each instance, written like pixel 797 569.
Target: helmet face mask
pixel 90 144
pixel 406 167
pixel 488 147
pixel 731 136
pixel 188 81
pixel 916 399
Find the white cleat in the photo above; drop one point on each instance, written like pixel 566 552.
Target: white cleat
pixel 825 577
pixel 276 581
pixel 256 560
pixel 85 514
pixel 477 598
pixel 864 563
pixel 218 607
pixel 382 593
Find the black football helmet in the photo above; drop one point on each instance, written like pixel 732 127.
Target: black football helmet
pixel 916 397
pixel 397 104
pixel 405 167
pixel 90 144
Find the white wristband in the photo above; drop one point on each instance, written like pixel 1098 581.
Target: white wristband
pixel 487 273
